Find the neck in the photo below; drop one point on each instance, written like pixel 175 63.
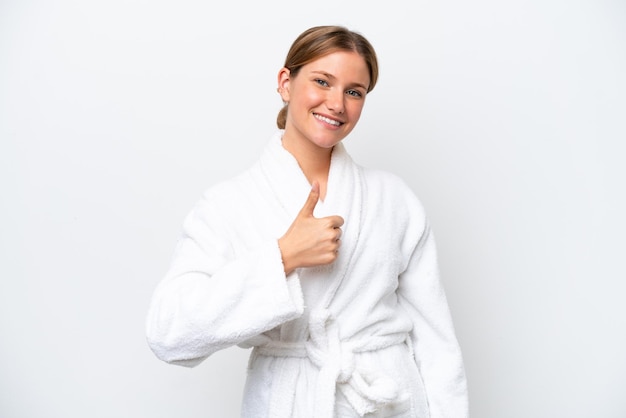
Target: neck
pixel 314 161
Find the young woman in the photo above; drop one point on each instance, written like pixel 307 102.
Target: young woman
pixel 327 269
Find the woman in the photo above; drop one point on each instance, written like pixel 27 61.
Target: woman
pixel 326 268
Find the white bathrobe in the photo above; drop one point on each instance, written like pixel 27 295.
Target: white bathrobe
pixel 369 335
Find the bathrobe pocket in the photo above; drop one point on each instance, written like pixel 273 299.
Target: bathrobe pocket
pixel 397 363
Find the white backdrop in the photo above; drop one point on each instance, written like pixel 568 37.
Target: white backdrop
pixel 506 118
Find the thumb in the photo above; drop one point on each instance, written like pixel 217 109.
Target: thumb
pixel 311 200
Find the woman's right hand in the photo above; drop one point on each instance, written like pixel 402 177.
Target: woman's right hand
pixel 310 241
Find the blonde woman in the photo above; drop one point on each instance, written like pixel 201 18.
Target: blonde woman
pixel 326 269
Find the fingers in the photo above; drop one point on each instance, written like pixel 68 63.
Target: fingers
pixel 311 201
pixel 336 221
pixel 311 241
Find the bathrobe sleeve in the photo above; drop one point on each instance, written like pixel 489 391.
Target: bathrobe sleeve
pixel 436 350
pixel 220 290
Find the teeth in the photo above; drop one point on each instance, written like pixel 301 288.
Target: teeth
pixel 327 120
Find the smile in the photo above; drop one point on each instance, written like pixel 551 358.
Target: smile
pixel 327 120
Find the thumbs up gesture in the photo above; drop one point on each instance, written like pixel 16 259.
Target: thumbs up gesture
pixel 310 241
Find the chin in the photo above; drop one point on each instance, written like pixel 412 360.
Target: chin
pixel 327 144
pixel 327 141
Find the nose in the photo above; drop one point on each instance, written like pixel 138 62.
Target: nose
pixel 335 101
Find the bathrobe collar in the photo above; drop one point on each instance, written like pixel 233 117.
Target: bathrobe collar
pixel 343 197
pixel 324 343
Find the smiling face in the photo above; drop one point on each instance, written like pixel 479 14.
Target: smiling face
pixel 325 99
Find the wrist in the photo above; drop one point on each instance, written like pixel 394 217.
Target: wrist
pixel 286 259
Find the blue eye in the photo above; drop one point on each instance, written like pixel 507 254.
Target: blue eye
pixel 354 93
pixel 321 82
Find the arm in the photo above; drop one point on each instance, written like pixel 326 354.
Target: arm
pixel 212 297
pixel 437 352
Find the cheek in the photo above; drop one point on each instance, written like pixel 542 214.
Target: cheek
pixel 355 110
pixel 313 97
pixel 304 102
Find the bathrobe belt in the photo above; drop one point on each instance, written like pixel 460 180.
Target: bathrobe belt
pixel 365 391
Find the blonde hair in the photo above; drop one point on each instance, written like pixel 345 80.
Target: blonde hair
pixel 318 41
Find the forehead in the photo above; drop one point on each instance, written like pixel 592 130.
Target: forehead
pixel 347 65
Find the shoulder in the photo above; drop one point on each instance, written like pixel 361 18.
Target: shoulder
pixel 229 193
pixel 222 201
pixel 376 176
pixel 395 206
pixel 389 187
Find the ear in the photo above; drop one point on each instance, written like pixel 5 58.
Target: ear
pixel 283 83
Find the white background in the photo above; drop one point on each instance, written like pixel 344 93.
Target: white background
pixel 506 118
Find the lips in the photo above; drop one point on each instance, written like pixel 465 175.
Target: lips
pixel 327 120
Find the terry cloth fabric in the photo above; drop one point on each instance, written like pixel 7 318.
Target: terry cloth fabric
pixel 370 335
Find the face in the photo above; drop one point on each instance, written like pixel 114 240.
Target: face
pixel 325 99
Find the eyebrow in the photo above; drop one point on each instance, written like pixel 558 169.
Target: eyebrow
pixel 324 73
